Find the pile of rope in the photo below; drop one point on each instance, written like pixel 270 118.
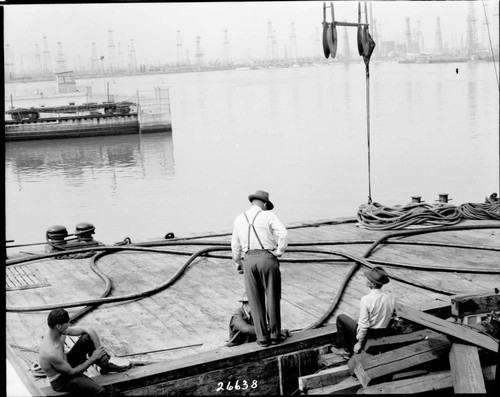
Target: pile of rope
pixel 490 209
pixel 375 216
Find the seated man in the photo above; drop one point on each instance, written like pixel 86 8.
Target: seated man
pixel 375 314
pixel 65 371
pixel 241 329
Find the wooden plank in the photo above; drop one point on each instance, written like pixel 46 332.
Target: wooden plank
pixel 388 342
pixel 426 383
pixel 324 378
pixel 328 360
pixel 462 305
pixel 349 385
pixel 466 369
pixel 446 327
pixel 369 368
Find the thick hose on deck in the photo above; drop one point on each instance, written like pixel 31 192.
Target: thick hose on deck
pixel 172 280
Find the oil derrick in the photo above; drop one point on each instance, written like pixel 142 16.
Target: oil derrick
pixel 471 37
pixel 132 60
pixel 275 45
pixel 61 65
pixel 121 62
pixel 439 40
pixel 409 44
pixel 226 56
pixel 180 54
pixel 46 62
pixel 199 55
pixel 9 62
pixel 112 58
pixel 38 60
pixel 418 40
pixel 188 58
pixel 270 42
pixel 347 49
pixel 293 42
pixel 317 44
pixel 94 60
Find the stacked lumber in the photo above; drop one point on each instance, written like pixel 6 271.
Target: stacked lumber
pixel 449 355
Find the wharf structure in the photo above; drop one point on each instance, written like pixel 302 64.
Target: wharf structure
pixel 171 300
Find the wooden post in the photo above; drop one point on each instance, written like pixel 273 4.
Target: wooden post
pixel 466 369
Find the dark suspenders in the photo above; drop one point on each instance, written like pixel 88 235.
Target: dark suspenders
pixel 250 225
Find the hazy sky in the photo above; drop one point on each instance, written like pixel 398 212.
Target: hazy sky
pixel 153 26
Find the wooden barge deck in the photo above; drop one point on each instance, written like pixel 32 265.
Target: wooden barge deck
pixel 183 327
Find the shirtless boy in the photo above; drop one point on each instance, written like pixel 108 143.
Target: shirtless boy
pixel 65 371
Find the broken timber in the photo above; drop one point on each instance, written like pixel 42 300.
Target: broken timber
pixel 445 327
pixel 368 368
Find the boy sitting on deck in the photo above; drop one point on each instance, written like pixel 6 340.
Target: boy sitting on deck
pixel 241 329
pixel 65 371
pixel 375 314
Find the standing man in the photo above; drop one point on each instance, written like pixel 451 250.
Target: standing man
pixel 376 311
pixel 65 371
pixel 262 238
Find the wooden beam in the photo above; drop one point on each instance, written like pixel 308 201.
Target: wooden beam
pixel 369 368
pixel 446 327
pixel 466 369
pixel 219 361
pixel 347 386
pixel 392 341
pixel 426 383
pixel 409 374
pixel 324 378
pixel 462 305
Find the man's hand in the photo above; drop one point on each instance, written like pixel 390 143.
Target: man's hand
pixel 275 253
pixel 357 348
pixel 239 268
pixel 98 353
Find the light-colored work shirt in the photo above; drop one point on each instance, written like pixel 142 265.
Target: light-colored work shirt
pixel 375 311
pixel 271 231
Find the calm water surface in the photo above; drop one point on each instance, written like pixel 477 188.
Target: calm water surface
pixel 299 133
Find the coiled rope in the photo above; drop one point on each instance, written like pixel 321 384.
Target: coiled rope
pixel 375 216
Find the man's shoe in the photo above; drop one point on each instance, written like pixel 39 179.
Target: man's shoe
pixel 110 367
pixel 264 343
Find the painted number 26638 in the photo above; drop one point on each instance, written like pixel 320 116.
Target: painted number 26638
pixel 237 385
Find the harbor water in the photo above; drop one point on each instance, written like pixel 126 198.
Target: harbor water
pixel 299 133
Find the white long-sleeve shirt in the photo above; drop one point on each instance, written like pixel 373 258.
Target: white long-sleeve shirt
pixel 375 311
pixel 271 231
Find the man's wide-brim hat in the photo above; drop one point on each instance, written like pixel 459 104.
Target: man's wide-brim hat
pixel 377 275
pixel 262 195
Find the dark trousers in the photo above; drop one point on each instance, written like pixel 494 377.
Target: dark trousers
pixel 79 385
pixel 263 286
pixel 346 332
